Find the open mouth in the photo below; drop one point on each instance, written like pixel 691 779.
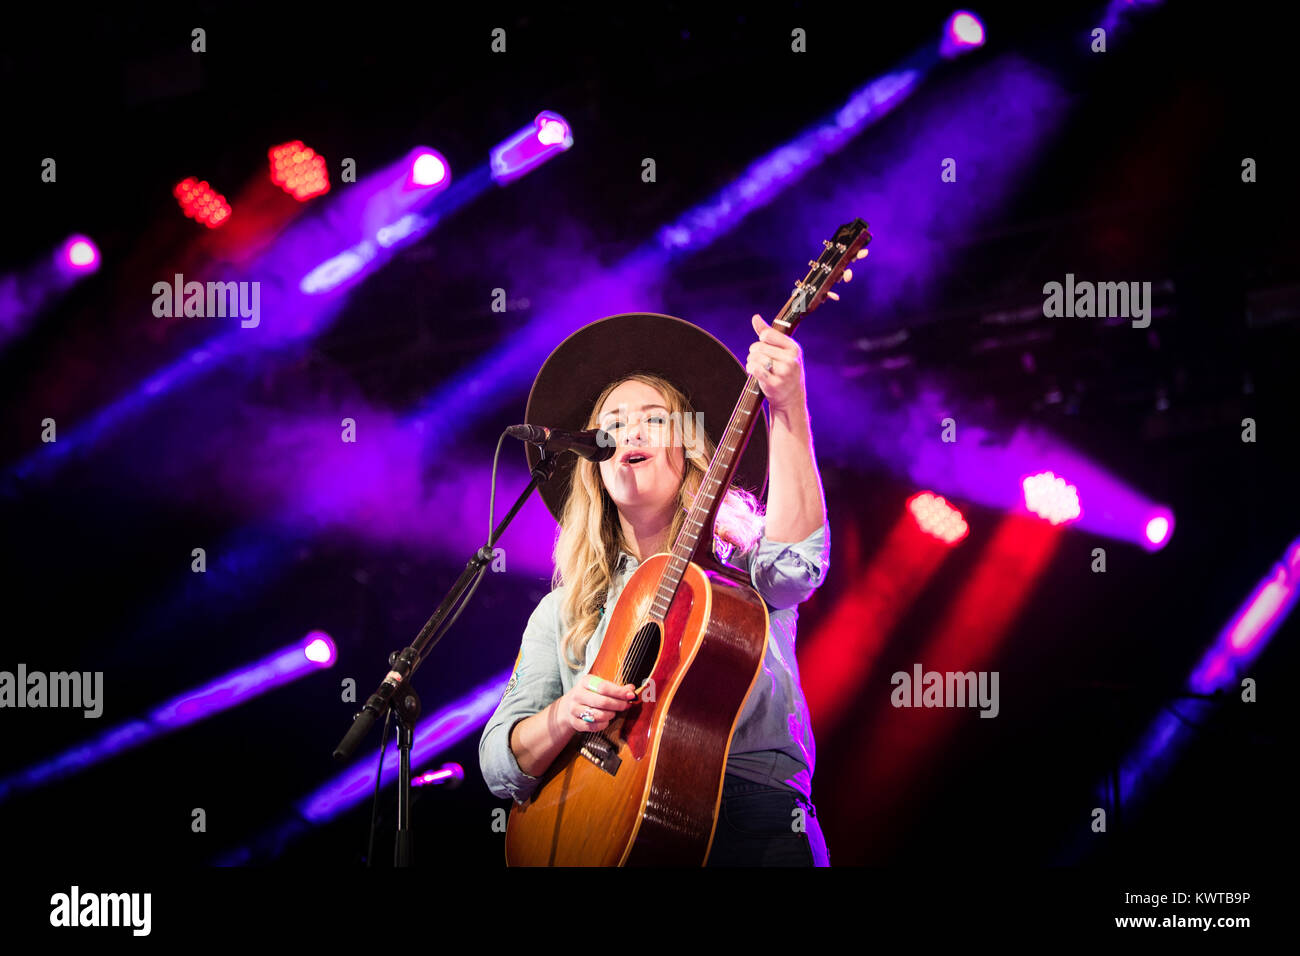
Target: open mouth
pixel 634 458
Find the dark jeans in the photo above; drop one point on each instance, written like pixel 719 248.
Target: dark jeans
pixel 758 826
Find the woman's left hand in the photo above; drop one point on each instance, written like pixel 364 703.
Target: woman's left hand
pixel 784 383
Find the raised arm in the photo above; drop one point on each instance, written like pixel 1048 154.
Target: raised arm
pixel 796 503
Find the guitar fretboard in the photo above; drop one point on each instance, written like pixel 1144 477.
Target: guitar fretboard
pixel 823 272
pixel 699 520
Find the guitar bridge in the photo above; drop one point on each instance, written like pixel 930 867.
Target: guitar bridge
pixel 601 751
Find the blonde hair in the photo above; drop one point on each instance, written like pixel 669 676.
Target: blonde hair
pixel 591 535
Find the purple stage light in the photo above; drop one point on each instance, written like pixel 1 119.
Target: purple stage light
pixel 430 169
pixel 445 728
pixel 553 132
pixel 314 652
pixel 548 135
pixel 1266 608
pixel 772 174
pixel 1158 528
pixel 383 216
pixel 80 254
pixel 1049 497
pixel 449 774
pixel 451 724
pixel 319 648
pixel 242 685
pixel 337 269
pixel 1218 674
pixel 963 33
pixel 966 28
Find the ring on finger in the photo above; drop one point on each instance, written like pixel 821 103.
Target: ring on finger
pixel 586 715
pixel 768 366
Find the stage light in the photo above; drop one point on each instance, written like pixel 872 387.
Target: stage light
pixel 1157 528
pixel 1049 497
pixel 290 663
pixel 337 269
pixel 429 169
pixel 936 517
pixel 201 202
pixel 552 133
pixel 966 28
pixel 433 736
pixel 547 136
pixel 962 33
pixel 450 775
pixel 80 254
pixel 1153 525
pixel 299 170
pixel 26 293
pixel 319 648
pixel 1264 611
pixel 1217 676
pixel 237 687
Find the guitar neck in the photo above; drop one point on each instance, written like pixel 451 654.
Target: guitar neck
pixel 696 537
pixel 695 542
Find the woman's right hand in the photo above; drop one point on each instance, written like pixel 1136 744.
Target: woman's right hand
pixel 602 700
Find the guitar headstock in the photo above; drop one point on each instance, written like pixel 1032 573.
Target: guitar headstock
pixel 848 245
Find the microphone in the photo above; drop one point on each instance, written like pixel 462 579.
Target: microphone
pixel 595 444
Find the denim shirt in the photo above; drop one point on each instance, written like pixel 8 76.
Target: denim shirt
pixel 773 741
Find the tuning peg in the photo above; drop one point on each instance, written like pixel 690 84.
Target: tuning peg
pixel 848 275
pixel 862 253
pixel 833 295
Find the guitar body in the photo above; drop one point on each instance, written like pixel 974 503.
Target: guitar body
pixel 646 790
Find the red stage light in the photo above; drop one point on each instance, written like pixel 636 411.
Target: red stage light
pixel 938 518
pixel 201 202
pixel 299 170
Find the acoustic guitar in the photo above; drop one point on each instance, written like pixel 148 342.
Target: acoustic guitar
pixel 646 789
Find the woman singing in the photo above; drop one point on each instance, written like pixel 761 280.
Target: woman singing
pixel 645 379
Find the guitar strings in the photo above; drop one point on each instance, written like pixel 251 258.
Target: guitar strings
pixel 636 649
pixel 710 477
pixel 640 640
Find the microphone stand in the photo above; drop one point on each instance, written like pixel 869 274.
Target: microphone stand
pixel 396 692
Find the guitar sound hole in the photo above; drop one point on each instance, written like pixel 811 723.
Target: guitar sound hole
pixel 642 654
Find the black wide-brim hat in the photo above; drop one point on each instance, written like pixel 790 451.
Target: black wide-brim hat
pixel 574 375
